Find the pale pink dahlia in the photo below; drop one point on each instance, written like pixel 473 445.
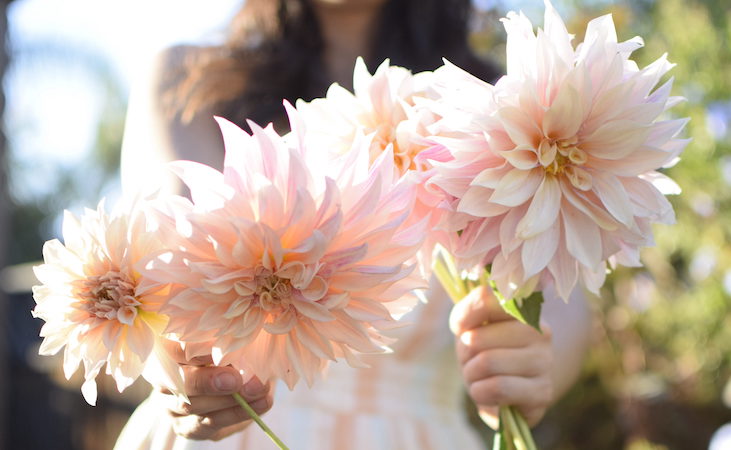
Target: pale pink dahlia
pixel 388 105
pixel 288 262
pixel 383 104
pixel 554 173
pixel 98 306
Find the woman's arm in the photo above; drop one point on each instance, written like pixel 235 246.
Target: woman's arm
pixel 154 133
pixel 571 324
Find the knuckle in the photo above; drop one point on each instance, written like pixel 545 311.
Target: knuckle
pixel 199 382
pixel 543 394
pixel 547 393
pixel 499 389
pixel 240 414
pixel 543 362
pixel 262 405
pixel 490 391
pixel 486 363
pixel 476 394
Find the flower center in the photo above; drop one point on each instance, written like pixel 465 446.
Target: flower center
pixel 273 291
pixel 564 157
pixel 403 158
pixel 109 296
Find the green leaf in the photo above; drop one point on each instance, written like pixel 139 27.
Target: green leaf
pixel 527 310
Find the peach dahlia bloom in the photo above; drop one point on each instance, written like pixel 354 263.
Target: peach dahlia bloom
pixel 390 106
pixel 384 104
pixel 97 305
pixel 288 262
pixel 554 173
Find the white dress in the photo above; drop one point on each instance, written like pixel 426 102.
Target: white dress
pixel 410 399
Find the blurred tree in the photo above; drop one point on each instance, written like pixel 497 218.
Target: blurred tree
pixel 38 395
pixel 655 377
pixel 35 215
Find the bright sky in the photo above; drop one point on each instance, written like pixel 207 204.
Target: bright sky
pixel 53 101
pixel 127 31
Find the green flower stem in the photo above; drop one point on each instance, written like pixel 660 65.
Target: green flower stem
pixel 525 433
pixel 514 437
pixel 240 400
pixel 513 432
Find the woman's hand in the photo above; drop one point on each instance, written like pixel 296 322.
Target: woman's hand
pixel 503 361
pixel 213 413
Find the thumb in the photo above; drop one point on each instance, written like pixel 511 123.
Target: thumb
pixel 477 308
pixel 470 312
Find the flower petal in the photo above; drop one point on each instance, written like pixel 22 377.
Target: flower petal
pixel 543 209
pixel 614 197
pixel 313 310
pixel 517 187
pixel 539 250
pixel 564 116
pixel 522 129
pixel 583 239
pixel 615 139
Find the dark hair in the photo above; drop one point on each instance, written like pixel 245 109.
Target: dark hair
pixel 274 52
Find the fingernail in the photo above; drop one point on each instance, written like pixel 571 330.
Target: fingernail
pixel 225 382
pixel 253 387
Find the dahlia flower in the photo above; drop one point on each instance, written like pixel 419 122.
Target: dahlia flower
pixel 554 172
pixel 389 105
pixel 286 262
pixel 97 305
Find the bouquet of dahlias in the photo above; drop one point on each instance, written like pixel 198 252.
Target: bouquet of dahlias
pixel 277 266
pixel 304 248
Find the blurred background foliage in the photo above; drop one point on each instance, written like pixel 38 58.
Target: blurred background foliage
pixel 658 372
pixel 657 376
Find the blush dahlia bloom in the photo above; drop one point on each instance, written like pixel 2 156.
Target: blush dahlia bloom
pixel 383 104
pixel 99 307
pixel 287 262
pixel 555 171
pixel 389 105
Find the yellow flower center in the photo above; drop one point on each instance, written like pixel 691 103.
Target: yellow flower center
pixel 565 157
pixel 110 296
pixel 403 158
pixel 273 291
